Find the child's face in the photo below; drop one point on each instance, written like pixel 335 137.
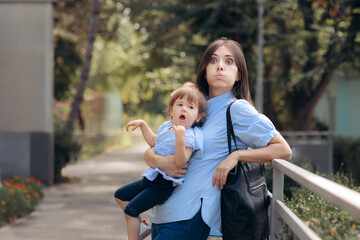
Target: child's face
pixel 184 113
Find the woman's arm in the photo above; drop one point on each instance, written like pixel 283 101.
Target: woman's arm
pixel 276 148
pixel 166 164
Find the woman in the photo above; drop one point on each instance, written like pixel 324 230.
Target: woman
pixel 194 207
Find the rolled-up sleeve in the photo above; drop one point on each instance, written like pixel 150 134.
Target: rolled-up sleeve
pixel 198 146
pixel 255 130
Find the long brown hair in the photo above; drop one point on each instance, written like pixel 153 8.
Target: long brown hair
pixel 241 88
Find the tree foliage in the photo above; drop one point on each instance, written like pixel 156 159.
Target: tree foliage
pixel 133 63
pixel 148 48
pixel 93 27
pixel 305 41
pixel 69 38
pixel 71 24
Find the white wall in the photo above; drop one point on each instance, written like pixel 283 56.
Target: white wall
pixel 26 89
pixel 26 61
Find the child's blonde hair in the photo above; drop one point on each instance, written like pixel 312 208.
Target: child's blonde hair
pixel 189 91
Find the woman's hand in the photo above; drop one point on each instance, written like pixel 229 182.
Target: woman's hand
pixel 222 171
pixel 165 163
pixel 169 167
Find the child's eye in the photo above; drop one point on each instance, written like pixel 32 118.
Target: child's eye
pixel 180 104
pixel 191 107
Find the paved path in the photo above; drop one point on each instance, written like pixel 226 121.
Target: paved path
pixel 83 210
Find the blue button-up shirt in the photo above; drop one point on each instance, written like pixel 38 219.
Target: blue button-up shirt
pixel 165 145
pixel 251 129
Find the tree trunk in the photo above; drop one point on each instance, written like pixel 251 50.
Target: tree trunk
pixel 86 66
pixel 303 107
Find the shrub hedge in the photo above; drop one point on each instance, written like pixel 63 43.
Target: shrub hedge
pixel 18 197
pixel 347 157
pixel 66 147
pixel 325 219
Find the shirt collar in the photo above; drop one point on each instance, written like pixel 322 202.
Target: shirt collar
pixel 216 103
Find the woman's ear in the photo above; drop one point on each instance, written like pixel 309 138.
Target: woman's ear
pixel 238 77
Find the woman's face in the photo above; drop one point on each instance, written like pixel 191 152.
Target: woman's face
pixel 221 72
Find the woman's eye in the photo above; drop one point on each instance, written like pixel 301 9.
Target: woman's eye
pixel 213 60
pixel 229 61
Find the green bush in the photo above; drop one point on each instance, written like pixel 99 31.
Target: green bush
pixel 67 147
pixel 347 156
pixel 18 197
pixel 326 220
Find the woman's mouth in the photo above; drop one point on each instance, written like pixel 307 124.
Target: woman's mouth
pixel 219 76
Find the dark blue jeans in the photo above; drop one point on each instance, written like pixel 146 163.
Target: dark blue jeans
pixel 144 194
pixel 193 229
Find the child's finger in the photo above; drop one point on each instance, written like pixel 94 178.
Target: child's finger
pixel 129 125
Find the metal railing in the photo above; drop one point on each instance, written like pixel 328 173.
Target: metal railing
pixel 306 145
pixel 343 197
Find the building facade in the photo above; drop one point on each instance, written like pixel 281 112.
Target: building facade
pixel 339 107
pixel 26 89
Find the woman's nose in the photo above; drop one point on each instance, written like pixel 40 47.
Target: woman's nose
pixel 220 67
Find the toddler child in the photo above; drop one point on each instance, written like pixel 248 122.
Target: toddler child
pixel 175 137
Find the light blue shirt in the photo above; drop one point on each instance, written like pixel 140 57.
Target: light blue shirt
pixel 164 146
pixel 251 129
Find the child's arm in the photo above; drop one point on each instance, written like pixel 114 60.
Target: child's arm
pixel 149 136
pixel 165 163
pixel 182 153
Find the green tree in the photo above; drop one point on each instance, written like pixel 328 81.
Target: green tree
pixel 75 107
pixel 70 24
pixel 133 63
pixel 191 25
pixel 144 71
pixel 305 41
pixel 67 62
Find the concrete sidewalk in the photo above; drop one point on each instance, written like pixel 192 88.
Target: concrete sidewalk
pixel 83 210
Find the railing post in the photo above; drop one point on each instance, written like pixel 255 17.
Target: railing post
pixel 277 194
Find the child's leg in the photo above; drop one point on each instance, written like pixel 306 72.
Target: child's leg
pixel 128 192
pixel 140 196
pixel 145 200
pixel 133 227
pixel 122 197
pixel 123 205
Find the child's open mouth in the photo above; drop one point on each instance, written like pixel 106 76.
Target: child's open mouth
pixel 182 117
